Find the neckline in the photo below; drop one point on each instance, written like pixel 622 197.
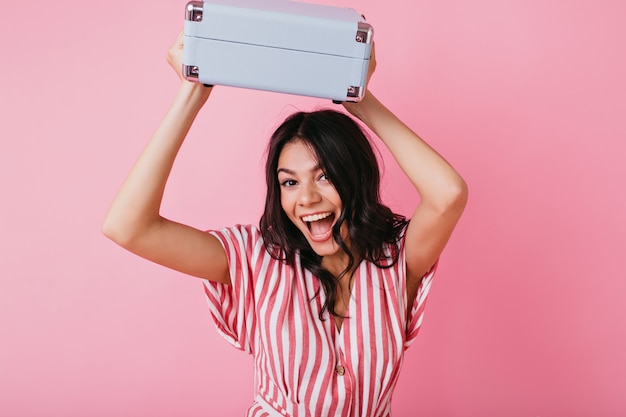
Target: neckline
pixel 339 325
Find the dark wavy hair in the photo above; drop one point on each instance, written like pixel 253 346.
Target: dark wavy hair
pixel 348 160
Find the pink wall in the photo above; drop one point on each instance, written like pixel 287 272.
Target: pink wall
pixel 525 98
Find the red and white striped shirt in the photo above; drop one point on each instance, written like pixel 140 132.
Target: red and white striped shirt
pixel 305 366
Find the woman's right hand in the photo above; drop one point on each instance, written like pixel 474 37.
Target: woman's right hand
pixel 175 55
pixel 175 59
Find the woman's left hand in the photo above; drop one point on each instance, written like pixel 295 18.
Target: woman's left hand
pixel 352 107
pixel 372 64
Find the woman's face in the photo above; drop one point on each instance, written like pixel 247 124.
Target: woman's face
pixel 308 197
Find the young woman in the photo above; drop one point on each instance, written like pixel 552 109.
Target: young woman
pixel 328 291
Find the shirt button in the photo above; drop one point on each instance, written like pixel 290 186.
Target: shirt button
pixel 340 370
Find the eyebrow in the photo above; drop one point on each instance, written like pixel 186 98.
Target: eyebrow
pixel 292 172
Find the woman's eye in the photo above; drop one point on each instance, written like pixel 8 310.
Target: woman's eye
pixel 324 177
pixel 288 183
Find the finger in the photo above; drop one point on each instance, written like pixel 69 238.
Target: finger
pixel 179 38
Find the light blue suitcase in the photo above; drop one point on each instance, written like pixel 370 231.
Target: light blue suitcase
pixel 278 45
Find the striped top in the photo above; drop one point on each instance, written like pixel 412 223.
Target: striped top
pixel 305 366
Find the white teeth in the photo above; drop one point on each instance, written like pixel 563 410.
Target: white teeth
pixel 315 217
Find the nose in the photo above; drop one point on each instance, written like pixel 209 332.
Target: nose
pixel 308 194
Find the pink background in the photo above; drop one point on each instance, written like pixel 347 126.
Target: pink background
pixel 525 98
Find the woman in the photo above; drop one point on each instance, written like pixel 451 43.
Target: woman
pixel 328 292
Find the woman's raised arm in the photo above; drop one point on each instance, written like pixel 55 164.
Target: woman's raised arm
pixel 133 219
pixel 442 191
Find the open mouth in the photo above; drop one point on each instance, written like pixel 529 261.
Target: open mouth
pixel 320 225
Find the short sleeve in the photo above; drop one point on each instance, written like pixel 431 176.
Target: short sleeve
pixel 417 311
pixel 232 306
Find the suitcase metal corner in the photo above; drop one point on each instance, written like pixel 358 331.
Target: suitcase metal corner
pixel 194 11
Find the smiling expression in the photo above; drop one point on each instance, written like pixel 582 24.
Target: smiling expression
pixel 308 198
